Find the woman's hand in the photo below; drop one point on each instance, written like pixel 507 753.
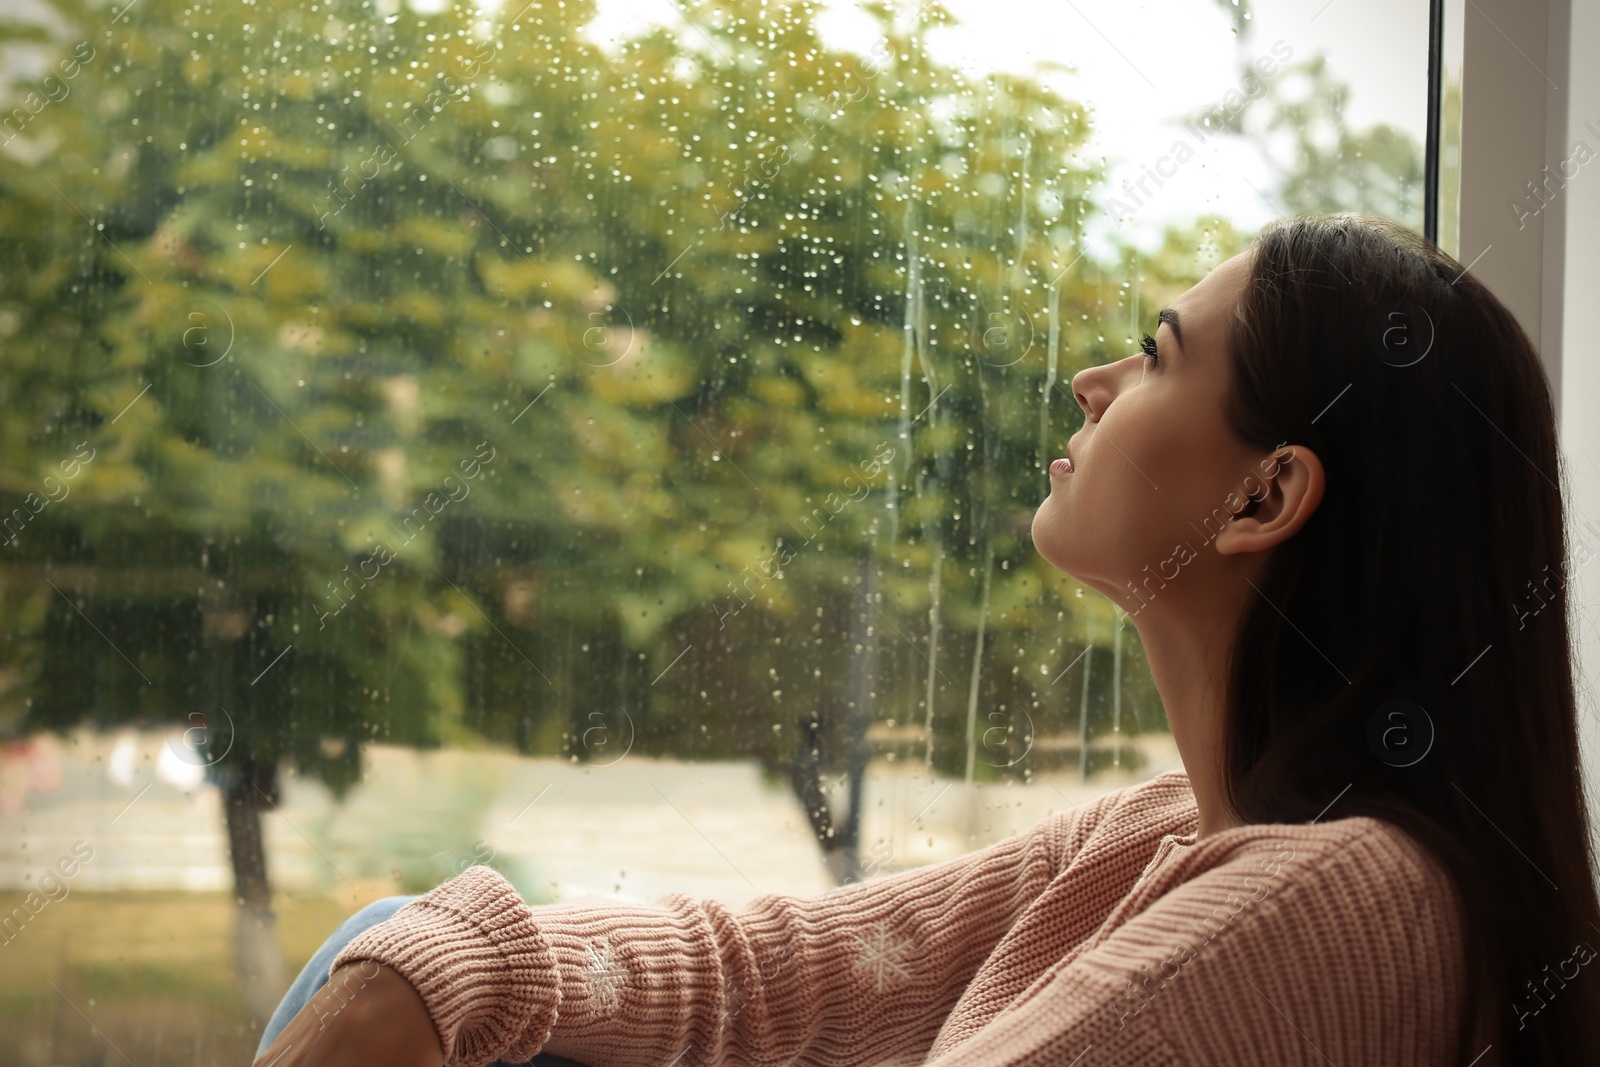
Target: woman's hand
pixel 366 1013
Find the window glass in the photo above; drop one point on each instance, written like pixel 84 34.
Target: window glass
pixel 596 440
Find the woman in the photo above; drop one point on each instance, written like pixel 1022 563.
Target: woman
pixel 1324 492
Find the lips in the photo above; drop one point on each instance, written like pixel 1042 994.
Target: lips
pixel 1061 466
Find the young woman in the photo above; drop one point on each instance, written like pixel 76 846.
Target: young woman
pixel 1326 493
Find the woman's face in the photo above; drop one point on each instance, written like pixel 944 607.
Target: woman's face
pixel 1154 459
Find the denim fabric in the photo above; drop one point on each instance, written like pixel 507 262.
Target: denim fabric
pixel 315 975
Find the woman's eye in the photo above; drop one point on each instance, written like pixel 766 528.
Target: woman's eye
pixel 1148 343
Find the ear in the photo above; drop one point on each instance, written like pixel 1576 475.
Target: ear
pixel 1291 480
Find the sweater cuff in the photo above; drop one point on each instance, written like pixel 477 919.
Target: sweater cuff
pixel 471 950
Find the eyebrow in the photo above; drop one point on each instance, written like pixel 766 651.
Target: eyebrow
pixel 1170 317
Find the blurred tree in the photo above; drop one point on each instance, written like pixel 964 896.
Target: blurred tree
pixel 368 466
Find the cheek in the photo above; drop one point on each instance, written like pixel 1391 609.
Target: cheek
pixel 1160 447
pixel 1175 463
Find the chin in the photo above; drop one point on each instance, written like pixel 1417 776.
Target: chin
pixel 1051 539
pixel 1075 552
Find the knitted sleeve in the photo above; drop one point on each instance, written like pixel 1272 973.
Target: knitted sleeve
pixel 862 974
pixel 1338 944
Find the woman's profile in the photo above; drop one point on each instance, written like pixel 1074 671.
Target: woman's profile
pixel 1327 493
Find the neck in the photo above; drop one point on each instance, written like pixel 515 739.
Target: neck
pixel 1188 658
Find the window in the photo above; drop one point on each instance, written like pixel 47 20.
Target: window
pixel 595 440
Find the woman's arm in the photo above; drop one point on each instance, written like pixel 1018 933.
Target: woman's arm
pixel 365 1014
pixel 864 974
pixel 1306 946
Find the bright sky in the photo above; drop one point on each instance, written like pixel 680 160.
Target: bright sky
pixel 1138 63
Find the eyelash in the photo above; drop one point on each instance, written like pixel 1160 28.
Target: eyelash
pixel 1148 343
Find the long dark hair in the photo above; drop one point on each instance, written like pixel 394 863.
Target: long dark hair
pixel 1409 651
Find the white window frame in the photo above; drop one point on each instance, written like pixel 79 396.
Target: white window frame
pixel 1528 99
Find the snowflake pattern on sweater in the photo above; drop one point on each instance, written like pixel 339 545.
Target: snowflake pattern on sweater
pixel 604 975
pixel 883 956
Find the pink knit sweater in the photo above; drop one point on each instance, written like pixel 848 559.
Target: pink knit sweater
pixel 1103 935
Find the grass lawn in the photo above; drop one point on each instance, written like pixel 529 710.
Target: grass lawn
pixel 140 978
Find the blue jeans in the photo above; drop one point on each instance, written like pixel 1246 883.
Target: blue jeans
pixel 315 975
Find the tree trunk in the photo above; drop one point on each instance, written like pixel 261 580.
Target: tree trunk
pixel 839 837
pixel 251 785
pixel 805 778
pixel 863 685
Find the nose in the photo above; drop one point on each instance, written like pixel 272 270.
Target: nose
pixel 1077 394
pixel 1095 387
